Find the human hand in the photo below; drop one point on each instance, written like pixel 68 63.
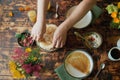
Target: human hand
pixel 59 37
pixel 38 30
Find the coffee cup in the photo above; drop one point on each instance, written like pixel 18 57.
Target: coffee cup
pixel 114 54
pixel 118 43
pixel 78 64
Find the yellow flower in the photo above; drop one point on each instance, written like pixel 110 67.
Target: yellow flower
pixel 15 73
pixel 12 65
pixel 28 50
pixel 118 5
pixel 114 14
pixel 116 20
pixel 35 58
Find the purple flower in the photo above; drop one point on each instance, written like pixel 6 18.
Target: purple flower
pixel 36 67
pixel 27 68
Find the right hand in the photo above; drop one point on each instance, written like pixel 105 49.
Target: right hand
pixel 38 31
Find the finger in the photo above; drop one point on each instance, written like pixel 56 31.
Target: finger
pixel 54 43
pixel 34 37
pixel 38 37
pixel 58 44
pixel 31 34
pixel 61 45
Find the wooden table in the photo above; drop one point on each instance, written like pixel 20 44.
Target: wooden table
pixel 9 26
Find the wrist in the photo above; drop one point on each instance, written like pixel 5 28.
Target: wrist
pixel 40 19
pixel 40 23
pixel 66 25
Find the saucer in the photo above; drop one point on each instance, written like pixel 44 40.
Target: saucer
pixel 110 56
pixel 118 43
pixel 84 22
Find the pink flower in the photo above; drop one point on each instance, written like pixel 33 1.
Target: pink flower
pixel 20 55
pixel 36 67
pixel 27 68
pixel 36 73
pixel 18 50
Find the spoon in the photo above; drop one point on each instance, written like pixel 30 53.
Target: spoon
pixel 102 66
pixel 88 43
pixel 79 35
pixel 57 6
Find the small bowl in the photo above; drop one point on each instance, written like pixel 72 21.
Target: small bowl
pixel 93 40
pixel 84 22
pixel 74 72
pixel 25 40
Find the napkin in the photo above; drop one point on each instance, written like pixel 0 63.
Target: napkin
pixel 96 12
pixel 63 75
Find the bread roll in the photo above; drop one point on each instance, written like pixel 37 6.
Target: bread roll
pixel 32 16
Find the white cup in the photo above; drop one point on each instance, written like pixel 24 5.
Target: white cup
pixel 118 43
pixel 74 72
pixel 112 54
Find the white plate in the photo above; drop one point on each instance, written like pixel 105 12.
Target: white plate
pixel 75 72
pixel 84 22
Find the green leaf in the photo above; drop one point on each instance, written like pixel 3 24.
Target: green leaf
pixel 114 25
pixel 23 37
pixel 111 8
pixel 119 15
pixel 27 76
pixel 34 53
pixel 119 27
pixel 18 35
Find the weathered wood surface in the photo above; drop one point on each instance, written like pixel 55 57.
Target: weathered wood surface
pixel 19 22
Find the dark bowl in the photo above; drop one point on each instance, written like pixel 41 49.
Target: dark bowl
pixel 25 42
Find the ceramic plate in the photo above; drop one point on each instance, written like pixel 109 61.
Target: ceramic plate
pixel 72 71
pixel 84 22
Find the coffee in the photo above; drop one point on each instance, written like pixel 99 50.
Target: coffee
pixel 78 64
pixel 115 53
